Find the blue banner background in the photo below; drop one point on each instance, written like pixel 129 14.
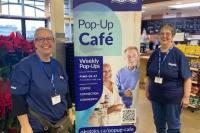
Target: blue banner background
pixel 88 81
pixel 110 129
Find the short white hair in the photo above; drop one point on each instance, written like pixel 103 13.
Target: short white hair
pixel 40 29
pixel 132 48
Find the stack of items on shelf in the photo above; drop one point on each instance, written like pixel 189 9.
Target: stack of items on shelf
pixel 195 76
pixel 12 49
pixel 194 98
pixel 194 63
pixel 189 50
pixel 193 54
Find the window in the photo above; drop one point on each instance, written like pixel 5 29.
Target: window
pixel 29 11
pixel 5 9
pixel 15 10
pixel 9 25
pixel 34 8
pixel 68 32
pixel 39 5
pixel 31 8
pixel 14 1
pixel 68 4
pixel 31 26
pixel 40 11
pixel 12 7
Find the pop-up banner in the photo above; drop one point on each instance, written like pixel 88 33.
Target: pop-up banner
pixel 106 42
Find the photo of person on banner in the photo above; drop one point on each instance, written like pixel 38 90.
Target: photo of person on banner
pixel 127 77
pixel 108 108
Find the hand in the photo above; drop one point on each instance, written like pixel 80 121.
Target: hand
pixel 128 93
pixel 118 107
pixel 147 82
pixel 25 125
pixel 71 117
pixel 147 94
pixel 26 129
pixel 185 102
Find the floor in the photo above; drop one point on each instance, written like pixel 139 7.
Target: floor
pixel 190 120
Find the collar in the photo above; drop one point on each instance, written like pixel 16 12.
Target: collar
pixel 132 68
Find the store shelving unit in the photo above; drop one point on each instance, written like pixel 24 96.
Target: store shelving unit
pixel 194 95
pixel 192 56
pixel 192 52
pixel 194 69
pixel 194 104
pixel 194 82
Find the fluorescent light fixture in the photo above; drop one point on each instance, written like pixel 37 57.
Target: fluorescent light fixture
pixel 185 5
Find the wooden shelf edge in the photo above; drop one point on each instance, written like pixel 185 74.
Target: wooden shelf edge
pixel 194 69
pixel 191 94
pixel 194 82
pixel 144 57
pixel 192 56
pixel 192 106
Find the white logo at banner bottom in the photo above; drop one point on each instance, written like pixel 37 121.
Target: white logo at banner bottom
pixel 124 1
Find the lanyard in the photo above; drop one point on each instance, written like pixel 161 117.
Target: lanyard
pixel 51 78
pixel 161 62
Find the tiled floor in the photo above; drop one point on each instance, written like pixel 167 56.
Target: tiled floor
pixel 190 121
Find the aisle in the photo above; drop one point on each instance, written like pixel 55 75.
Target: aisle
pixel 190 121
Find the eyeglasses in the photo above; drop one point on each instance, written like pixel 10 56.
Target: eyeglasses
pixel 166 34
pixel 42 39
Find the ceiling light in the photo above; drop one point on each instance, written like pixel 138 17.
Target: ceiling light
pixel 185 5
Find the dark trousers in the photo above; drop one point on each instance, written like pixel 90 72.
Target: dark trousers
pixel 166 117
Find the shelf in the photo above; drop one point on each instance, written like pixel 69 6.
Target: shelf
pixel 194 82
pixel 144 57
pixel 194 95
pixel 192 56
pixel 193 69
pixel 192 106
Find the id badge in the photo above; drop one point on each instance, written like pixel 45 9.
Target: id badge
pixel 158 80
pixel 55 99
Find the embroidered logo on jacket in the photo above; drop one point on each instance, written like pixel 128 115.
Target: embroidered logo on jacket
pixel 124 1
pixel 13 87
pixel 172 64
pixel 61 77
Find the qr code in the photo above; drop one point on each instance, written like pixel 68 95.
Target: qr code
pixel 128 116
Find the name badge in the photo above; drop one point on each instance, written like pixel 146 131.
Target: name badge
pixel 158 80
pixel 55 99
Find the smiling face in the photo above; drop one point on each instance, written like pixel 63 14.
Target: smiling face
pixel 44 42
pixel 107 72
pixel 167 34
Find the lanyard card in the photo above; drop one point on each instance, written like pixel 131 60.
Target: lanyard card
pixel 158 80
pixel 55 99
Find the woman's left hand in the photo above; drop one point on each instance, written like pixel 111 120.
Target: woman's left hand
pixel 185 102
pixel 71 117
